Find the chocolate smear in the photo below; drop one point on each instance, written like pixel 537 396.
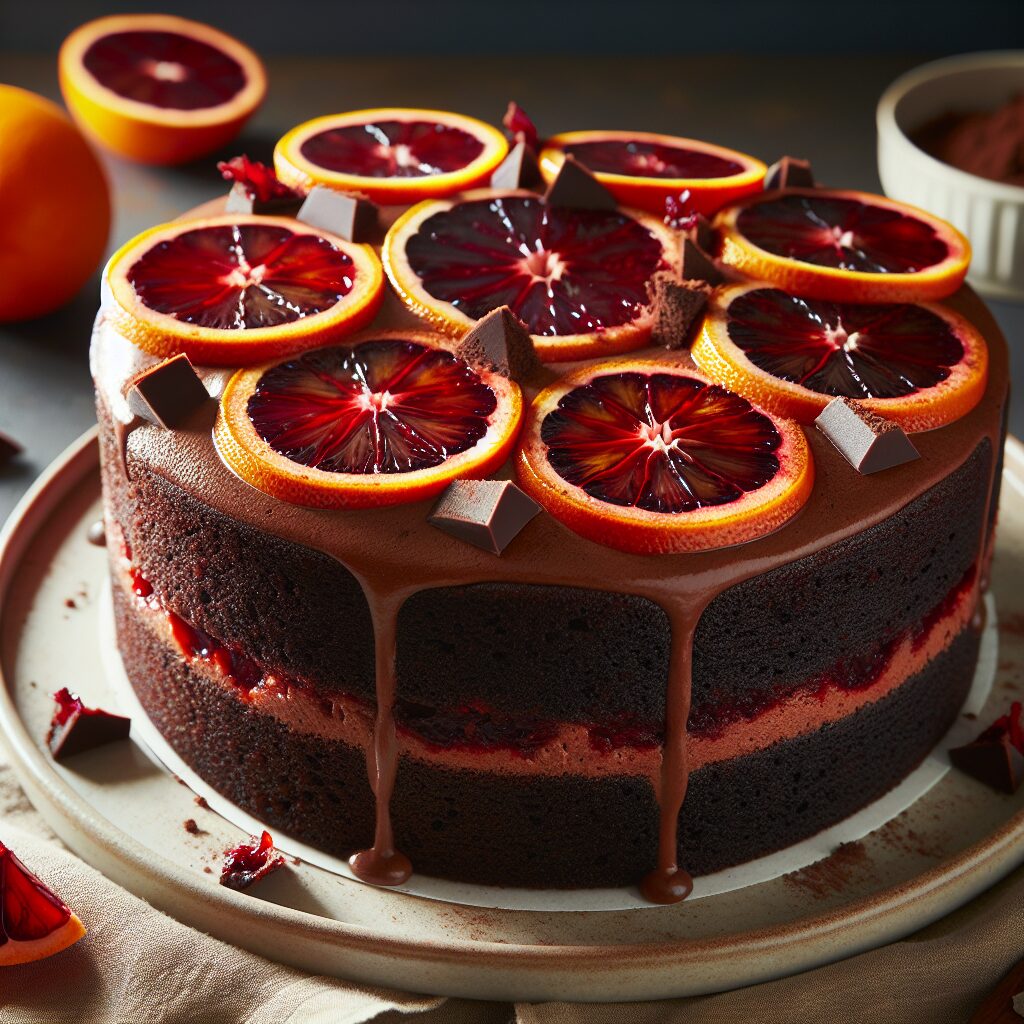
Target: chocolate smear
pixel 502 343
pixel 76 728
pixel 486 513
pixel 869 442
pixel 346 214
pixel 518 170
pixel 677 306
pixel 576 187
pixel 168 393
pixel 789 172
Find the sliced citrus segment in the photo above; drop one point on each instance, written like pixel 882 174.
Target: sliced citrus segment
pixel 920 365
pixel 652 458
pixel 157 88
pixel 389 418
pixel 34 921
pixel 643 169
pixel 576 278
pixel 240 289
pixel 391 154
pixel 847 246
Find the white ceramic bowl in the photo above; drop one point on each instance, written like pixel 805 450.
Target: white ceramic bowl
pixel 989 213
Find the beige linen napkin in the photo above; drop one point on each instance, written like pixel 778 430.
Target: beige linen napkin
pixel 138 966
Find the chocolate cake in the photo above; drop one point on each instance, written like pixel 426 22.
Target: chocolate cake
pixel 547 711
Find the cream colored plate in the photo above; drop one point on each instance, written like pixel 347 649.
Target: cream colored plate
pixel 124 813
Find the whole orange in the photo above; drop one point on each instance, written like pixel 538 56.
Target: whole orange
pixel 54 206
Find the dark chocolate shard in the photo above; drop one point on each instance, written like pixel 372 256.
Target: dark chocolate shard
pixel 677 307
pixel 241 200
pixel 576 187
pixel 486 513
pixel 996 762
pixel 9 448
pixel 345 214
pixel 501 342
pixel 869 442
pixel 702 233
pixel 698 266
pixel 518 170
pixel 168 394
pixel 76 728
pixel 789 172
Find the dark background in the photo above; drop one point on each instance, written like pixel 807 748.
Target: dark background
pixel 634 27
pixel 766 77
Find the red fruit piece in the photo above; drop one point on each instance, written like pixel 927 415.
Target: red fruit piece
pixel 34 922
pixel 519 127
pixel 249 863
pixel 259 181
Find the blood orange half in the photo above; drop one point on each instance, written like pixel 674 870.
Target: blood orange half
pixel 392 154
pixel 576 278
pixel 652 458
pixel 234 290
pixel 34 922
pixel 389 418
pixel 642 169
pixel 847 246
pixel 159 89
pixel 921 365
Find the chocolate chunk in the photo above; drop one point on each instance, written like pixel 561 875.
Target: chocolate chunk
pixel 97 534
pixel 677 307
pixel 9 448
pixel 486 513
pixel 789 172
pixel 996 757
pixel 702 233
pixel 576 187
pixel 76 728
pixel 168 394
pixel 241 200
pixel 501 342
pixel 518 170
pixel 869 442
pixel 345 214
pixel 698 266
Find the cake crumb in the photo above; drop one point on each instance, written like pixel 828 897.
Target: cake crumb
pixel 208 870
pixel 69 602
pixel 201 802
pixel 192 827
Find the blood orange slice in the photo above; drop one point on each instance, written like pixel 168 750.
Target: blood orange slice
pixel 642 169
pixel 392 154
pixel 576 278
pixel 389 418
pixel 652 458
pixel 159 89
pixel 239 289
pixel 921 365
pixel 847 246
pixel 34 922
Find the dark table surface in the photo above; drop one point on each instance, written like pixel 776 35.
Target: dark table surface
pixel 818 107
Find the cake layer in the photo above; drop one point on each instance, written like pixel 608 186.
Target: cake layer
pixel 566 654
pixel 551 830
